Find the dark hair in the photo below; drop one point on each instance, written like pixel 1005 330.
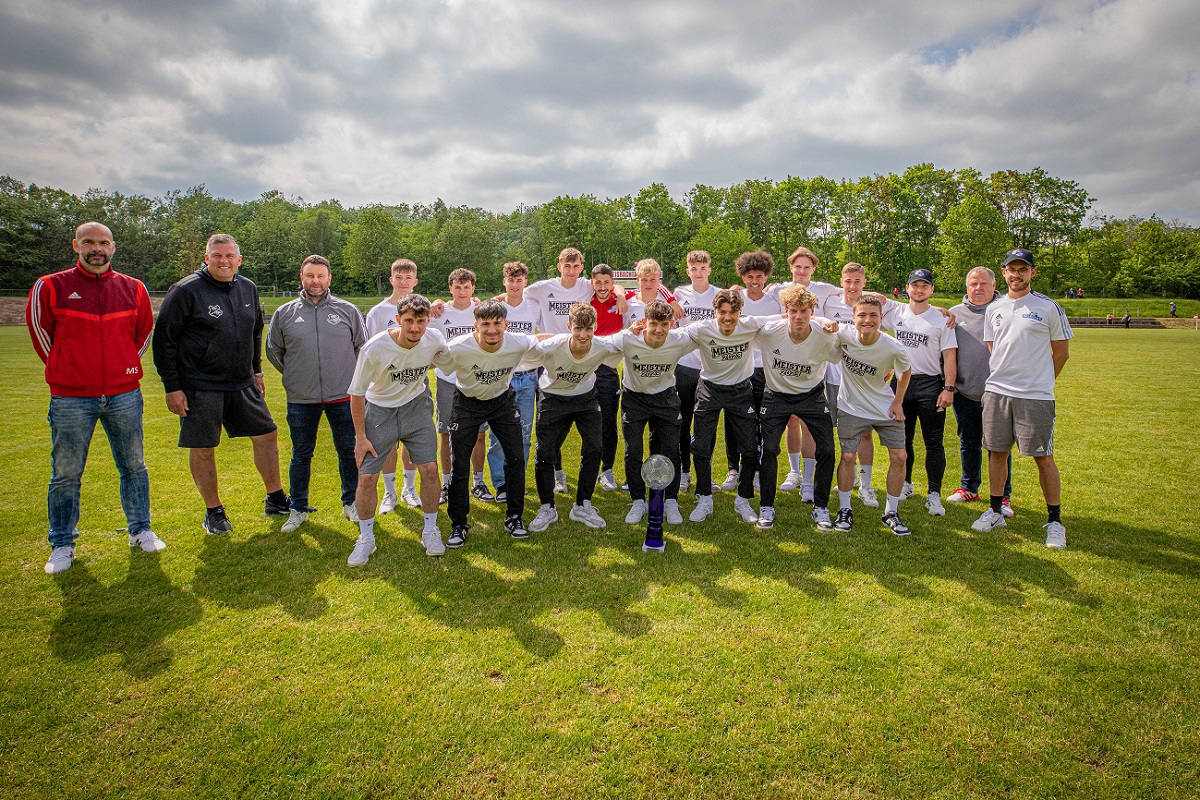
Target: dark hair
pixel 416 303
pixel 758 261
pixel 491 309
pixel 728 296
pixel 459 275
pixel 582 314
pixel 315 259
pixel 602 269
pixel 659 311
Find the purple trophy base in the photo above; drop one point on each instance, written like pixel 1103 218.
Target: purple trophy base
pixel 654 518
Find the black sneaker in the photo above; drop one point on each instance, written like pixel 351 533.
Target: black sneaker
pixel 458 536
pixel 215 521
pixel 892 520
pixel 516 528
pixel 271 508
pixel 480 491
pixel 501 494
pixel 445 495
pixel 845 519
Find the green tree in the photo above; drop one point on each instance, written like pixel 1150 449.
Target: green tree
pixel 724 243
pixel 372 245
pixel 973 234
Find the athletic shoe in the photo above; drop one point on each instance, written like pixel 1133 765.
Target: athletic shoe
pixel 988 521
pixel 892 520
pixel 607 482
pixel 624 487
pixel 481 492
pixel 294 521
pixel 547 515
pixel 1006 509
pixel 432 540
pixel 61 559
pixel 806 493
pixel 560 481
pixel 409 496
pixel 445 495
pixel 501 494
pixel 458 536
pixel 907 491
pixel 844 520
pixel 388 504
pixel 703 509
pixel 766 518
pixel 516 528
pixel 363 548
pixel 671 514
pixel 933 504
pixel 820 516
pixel 961 495
pixel 742 507
pixel 792 481
pixel 350 512
pixel 215 521
pixel 148 541
pixel 273 509
pixel 586 513
pixel 1056 536
pixel 867 495
pixel 685 480
pixel 731 481
pixel 637 512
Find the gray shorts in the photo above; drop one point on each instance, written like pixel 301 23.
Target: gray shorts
pixel 411 423
pixel 1028 422
pixel 831 393
pixel 446 391
pixel 851 428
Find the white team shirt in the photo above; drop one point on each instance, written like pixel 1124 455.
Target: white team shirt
pixel 1020 332
pixel 650 370
pixel 726 359
pixel 765 306
pixel 834 307
pixel 523 317
pixel 480 374
pixel 923 335
pixel 819 289
pixel 865 391
pixel 795 368
pixel 389 375
pixel 566 375
pixel 554 302
pixel 381 317
pixel 697 307
pixel 454 323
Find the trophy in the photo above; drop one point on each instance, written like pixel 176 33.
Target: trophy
pixel 657 472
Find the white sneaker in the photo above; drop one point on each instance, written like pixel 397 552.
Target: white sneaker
pixel 363 549
pixel 731 481
pixel 685 480
pixel 806 493
pixel 432 540
pixel 1056 535
pixel 547 515
pixel 294 521
pixel 671 514
pixel 766 518
pixel 867 495
pixel 908 491
pixel 988 521
pixel 560 481
pixel 933 504
pixel 637 512
pixel 388 504
pixel 703 509
pixel 607 481
pixel 350 512
pixel 742 507
pixel 586 513
pixel 148 541
pixel 61 559
pixel 791 482
pixel 410 497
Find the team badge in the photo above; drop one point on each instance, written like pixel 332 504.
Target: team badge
pixel 215 312
pixel 334 319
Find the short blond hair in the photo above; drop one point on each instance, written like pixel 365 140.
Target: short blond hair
pixel 699 257
pixel 797 298
pixel 854 266
pixel 569 254
pixel 648 266
pixel 403 265
pixel 515 269
pixel 801 252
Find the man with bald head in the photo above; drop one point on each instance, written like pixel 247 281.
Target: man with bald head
pixel 90 325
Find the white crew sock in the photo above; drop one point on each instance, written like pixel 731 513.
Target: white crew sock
pixel 794 460
pixel 864 476
pixel 478 476
pixel 810 469
pixel 389 483
pixel 893 505
pixel 431 522
pixel 410 479
pixel 366 527
pixel 844 497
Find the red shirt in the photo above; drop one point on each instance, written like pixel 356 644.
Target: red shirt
pixel 608 321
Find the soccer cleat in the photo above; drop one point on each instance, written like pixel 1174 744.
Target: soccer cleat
pixel 586 513
pixel 1056 536
pixel 388 504
pixel 671 514
pixel 148 541
pixel 933 504
pixel 1006 509
pixel 560 481
pixel 516 528
pixel 766 518
pixel 685 480
pixel 363 548
pixel 445 495
pixel 501 494
pixel 458 536
pixel 481 492
pixel 820 516
pixel 806 493
pixel 432 540
pixel 547 515
pixel 907 491
pixel 703 509
pixel 637 512
pixel 742 507
pixel 409 496
pixel 867 495
pixel 792 481
pixel 961 495
pixel 61 559
pixel 988 521
pixel 215 521
pixel 844 520
pixel 294 521
pixel 892 520
pixel 273 509
pixel 731 481
pixel 607 482
pixel 350 512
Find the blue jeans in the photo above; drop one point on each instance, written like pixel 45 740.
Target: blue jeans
pixel 525 387
pixel 72 423
pixel 303 420
pixel 969 414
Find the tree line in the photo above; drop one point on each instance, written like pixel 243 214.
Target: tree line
pixel 944 220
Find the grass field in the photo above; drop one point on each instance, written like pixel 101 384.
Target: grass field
pixel 738 664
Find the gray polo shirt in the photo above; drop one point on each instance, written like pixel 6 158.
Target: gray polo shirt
pixel 974 358
pixel 315 347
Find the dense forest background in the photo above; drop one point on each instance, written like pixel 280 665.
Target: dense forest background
pixel 947 221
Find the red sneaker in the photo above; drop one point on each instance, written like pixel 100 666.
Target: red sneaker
pixel 961 495
pixel 1006 509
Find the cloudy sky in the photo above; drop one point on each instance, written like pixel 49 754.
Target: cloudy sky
pixel 499 103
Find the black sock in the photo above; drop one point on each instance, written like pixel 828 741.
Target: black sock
pixel 217 510
pixel 1054 512
pixel 278 497
pixel 998 503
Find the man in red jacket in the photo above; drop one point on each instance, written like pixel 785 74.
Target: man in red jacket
pixel 90 325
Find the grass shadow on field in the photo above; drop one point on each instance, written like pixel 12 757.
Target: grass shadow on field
pixel 1146 547
pixel 132 618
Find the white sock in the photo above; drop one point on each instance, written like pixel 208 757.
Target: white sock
pixel 431 522
pixel 366 527
pixel 389 483
pixel 893 504
pixel 446 481
pixel 844 497
pixel 810 469
pixel 864 476
pixel 478 476
pixel 794 460
pixel 410 479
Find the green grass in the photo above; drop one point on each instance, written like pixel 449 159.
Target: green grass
pixel 740 663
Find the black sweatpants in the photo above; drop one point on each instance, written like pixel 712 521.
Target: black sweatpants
pixel 502 417
pixel 812 409
pixel 759 381
pixel 741 419
pixel 608 394
pixel 686 381
pixel 920 403
pixel 555 415
pixel 661 412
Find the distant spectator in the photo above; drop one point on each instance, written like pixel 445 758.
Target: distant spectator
pixel 1126 319
pixel 1110 318
pixel 1173 314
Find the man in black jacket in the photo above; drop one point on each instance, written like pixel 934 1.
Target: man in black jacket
pixel 208 352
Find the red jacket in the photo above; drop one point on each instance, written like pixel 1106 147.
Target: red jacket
pixel 90 330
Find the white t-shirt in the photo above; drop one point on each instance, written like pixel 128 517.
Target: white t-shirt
pixel 523 317
pixel 865 391
pixel 795 368
pixel 480 374
pixel 554 302
pixel 1020 332
pixel 454 323
pixel 924 337
pixel 697 307
pixel 834 307
pixel 647 369
pixel 819 289
pixel 765 306
pixel 381 317
pixel 389 375
pixel 566 375
pixel 726 359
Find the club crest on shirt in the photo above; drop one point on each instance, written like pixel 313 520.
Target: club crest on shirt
pixel 215 312
pixel 333 319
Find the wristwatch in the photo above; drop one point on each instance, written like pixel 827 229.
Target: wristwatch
pixel 949 389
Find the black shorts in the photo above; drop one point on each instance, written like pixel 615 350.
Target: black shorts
pixel 241 413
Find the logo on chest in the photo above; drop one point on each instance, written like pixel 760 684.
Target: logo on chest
pixel 215 312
